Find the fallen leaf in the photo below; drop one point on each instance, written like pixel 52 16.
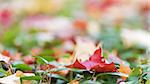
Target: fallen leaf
pixel 95 63
pixel 124 69
pixel 77 64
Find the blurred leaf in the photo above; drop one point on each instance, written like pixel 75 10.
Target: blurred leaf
pixel 111 39
pixel 44 59
pixel 145 67
pixel 133 22
pixel 87 75
pixel 46 52
pixel 33 31
pixel 66 56
pixel 23 67
pixel 148 82
pixel 90 82
pixel 108 79
pixel 10 35
pixel 48 58
pixel 124 69
pixel 77 70
pixel 41 60
pixel 70 7
pixel 133 80
pixel 3 73
pixel 58 69
pixel 60 82
pixel 146 76
pixel 30 78
pixel 57 76
pixel 115 73
pixel 25 42
pixel 136 72
pixel 130 54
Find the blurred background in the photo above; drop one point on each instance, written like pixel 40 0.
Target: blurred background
pixel 121 26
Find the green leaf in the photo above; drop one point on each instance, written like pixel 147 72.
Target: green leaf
pixel 63 68
pixel 41 60
pixel 129 54
pixel 30 78
pixel 77 70
pixel 44 59
pixel 88 75
pixel 146 76
pixel 4 73
pixel 145 67
pixel 25 42
pixel 58 69
pixel 10 35
pixel 136 71
pixel 133 80
pixel 57 76
pixel 46 52
pixel 66 56
pixel 117 74
pixel 91 82
pixel 148 82
pixel 48 58
pixel 111 38
pixel 60 82
pixel 23 67
pixel 2 70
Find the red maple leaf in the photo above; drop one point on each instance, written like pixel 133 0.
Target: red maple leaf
pixel 77 64
pixel 97 56
pixel 104 68
pixel 95 63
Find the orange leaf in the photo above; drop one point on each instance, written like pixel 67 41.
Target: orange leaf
pixel 124 69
